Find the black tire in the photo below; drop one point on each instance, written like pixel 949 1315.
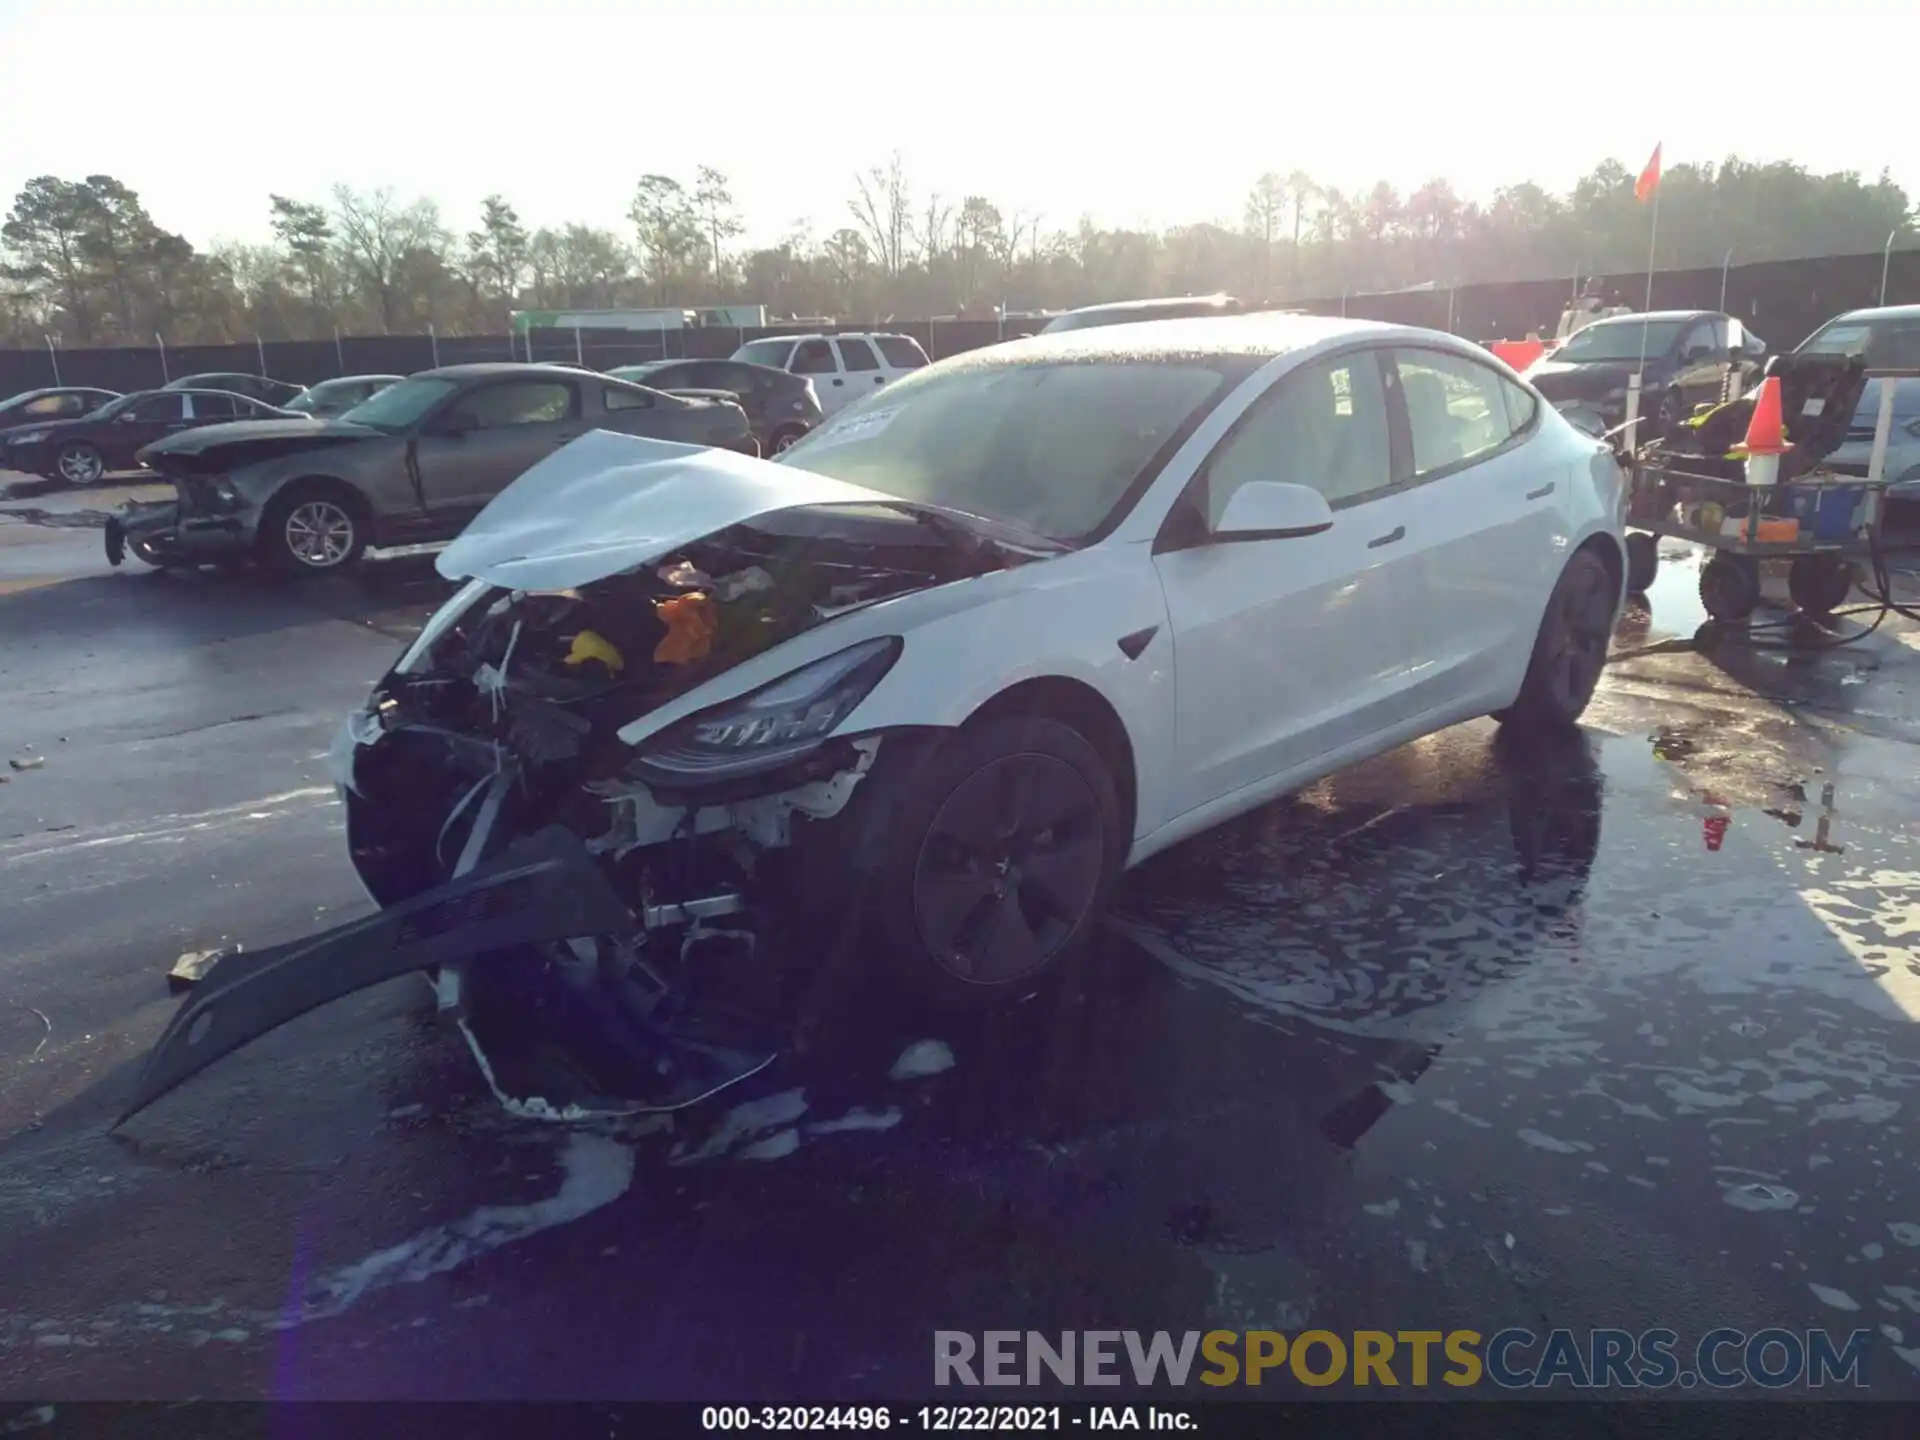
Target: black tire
pixel 1569 650
pixel 1819 584
pixel 300 532
pixel 785 438
pixel 1673 409
pixel 955 879
pixel 1730 587
pixel 79 464
pixel 1643 562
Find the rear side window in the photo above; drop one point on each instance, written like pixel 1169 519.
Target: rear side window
pixel 50 405
pixel 814 357
pixel 161 408
pixel 858 355
pixel 625 399
pixel 1456 409
pixel 902 352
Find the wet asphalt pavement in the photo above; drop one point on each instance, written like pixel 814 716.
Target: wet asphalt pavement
pixel 1616 1034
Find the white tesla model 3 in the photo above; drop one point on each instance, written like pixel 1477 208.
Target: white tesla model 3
pixel 974 647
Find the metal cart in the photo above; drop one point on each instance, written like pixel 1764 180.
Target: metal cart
pixel 1822 522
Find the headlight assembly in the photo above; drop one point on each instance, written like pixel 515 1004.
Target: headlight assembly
pixel 32 437
pixel 771 726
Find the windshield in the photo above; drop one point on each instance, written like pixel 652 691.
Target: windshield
pixel 639 373
pixel 1054 448
pixel 1621 340
pixel 1886 344
pixel 401 405
pixel 304 401
pixel 15 402
pixel 766 352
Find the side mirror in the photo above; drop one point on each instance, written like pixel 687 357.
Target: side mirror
pixel 1269 510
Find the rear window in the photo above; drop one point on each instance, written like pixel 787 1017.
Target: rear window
pixel 902 352
pixel 766 352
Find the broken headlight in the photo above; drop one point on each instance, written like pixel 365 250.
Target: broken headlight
pixel 772 726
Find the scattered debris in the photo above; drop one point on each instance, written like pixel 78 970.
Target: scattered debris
pixel 44 1021
pixel 192 967
pixel 921 1059
pixel 27 762
pixel 1838 1299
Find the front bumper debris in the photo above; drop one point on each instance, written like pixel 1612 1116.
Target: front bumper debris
pixel 542 890
pixel 161 533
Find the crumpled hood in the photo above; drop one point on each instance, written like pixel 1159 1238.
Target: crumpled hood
pixel 607 503
pixel 206 437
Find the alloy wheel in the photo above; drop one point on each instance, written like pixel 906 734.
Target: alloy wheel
pixel 784 443
pixel 319 534
pixel 81 465
pixel 1009 869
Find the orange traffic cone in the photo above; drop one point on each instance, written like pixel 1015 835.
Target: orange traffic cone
pixel 1766 435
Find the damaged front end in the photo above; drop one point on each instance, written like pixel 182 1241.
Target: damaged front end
pixel 662 978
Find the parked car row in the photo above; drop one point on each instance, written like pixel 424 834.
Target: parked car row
pixel 410 465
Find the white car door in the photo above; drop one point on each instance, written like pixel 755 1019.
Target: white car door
pixel 817 360
pixel 1485 523
pixel 1285 650
pixel 860 363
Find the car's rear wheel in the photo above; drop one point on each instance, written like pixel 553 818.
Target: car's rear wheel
pixel 1009 840
pixel 80 464
pixel 314 530
pixel 785 439
pixel 1570 649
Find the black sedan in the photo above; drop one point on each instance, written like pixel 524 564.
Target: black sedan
pixel 256 387
pixel 81 451
pixel 780 406
pixel 61 402
pixel 1690 357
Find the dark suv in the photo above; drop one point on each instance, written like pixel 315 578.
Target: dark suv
pixel 780 406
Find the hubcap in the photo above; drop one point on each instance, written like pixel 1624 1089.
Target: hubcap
pixel 1009 869
pixel 319 533
pixel 784 443
pixel 1581 637
pixel 80 467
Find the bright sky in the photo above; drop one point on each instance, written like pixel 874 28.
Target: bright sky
pixel 1132 112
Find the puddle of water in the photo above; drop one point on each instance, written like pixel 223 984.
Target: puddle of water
pixel 1674 596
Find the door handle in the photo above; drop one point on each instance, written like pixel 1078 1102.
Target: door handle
pixel 1541 493
pixel 838 381
pixel 1399 532
pixel 879 379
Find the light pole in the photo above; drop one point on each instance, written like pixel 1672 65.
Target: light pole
pixel 1725 265
pixel 1886 260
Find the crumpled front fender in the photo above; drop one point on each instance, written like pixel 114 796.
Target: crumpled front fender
pixel 543 889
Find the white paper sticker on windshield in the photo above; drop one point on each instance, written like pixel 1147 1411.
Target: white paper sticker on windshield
pixel 855 428
pixel 1815 404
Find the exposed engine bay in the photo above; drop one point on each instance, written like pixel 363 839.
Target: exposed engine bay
pixel 499 739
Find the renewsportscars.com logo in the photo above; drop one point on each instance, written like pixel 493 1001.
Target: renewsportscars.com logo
pixel 1511 1359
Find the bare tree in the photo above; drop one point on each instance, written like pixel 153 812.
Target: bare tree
pixel 882 209
pixel 932 230
pixel 376 238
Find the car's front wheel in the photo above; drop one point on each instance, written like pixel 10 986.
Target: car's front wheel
pixel 785 439
pixel 1010 837
pixel 314 530
pixel 1570 649
pixel 80 464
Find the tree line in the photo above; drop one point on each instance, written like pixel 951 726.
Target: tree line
pixel 82 261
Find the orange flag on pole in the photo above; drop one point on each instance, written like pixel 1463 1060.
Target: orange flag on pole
pixel 1649 180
